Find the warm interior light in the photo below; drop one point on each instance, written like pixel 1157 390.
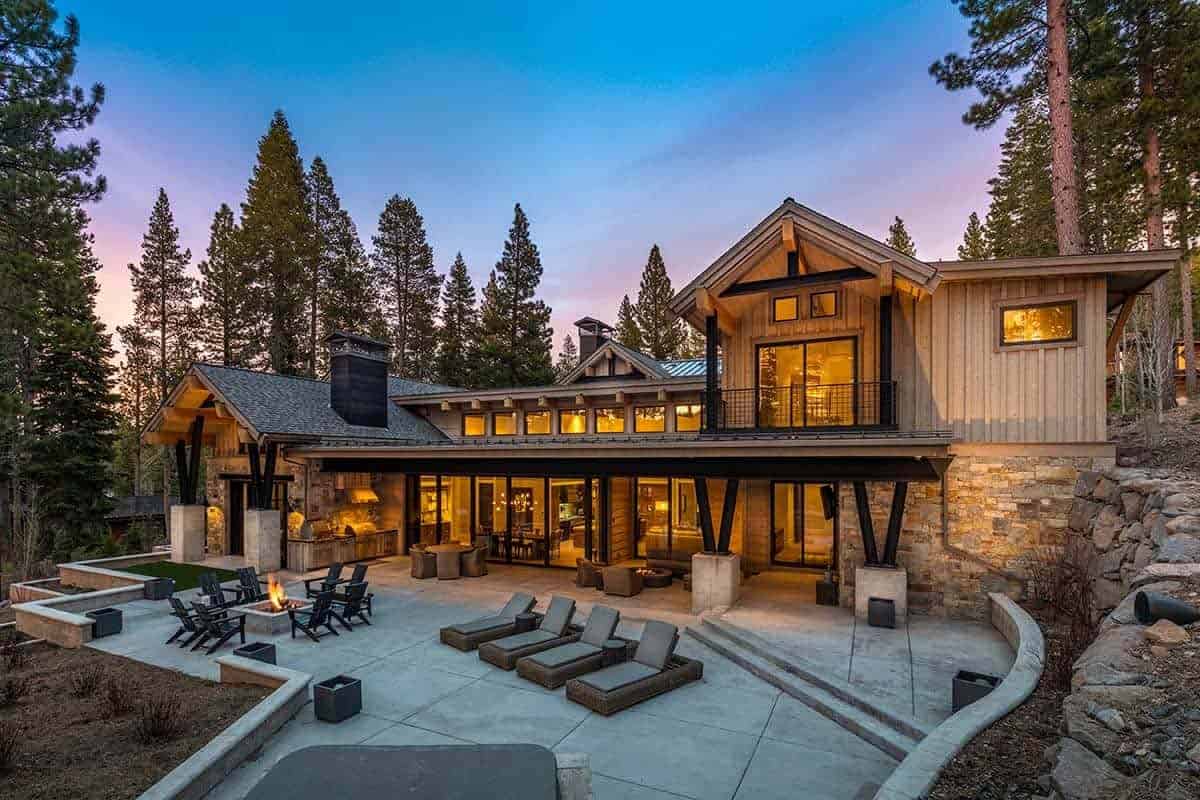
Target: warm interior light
pixel 362 496
pixel 276 594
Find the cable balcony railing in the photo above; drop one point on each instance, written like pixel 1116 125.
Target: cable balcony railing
pixel 816 405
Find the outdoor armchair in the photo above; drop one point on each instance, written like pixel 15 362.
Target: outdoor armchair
pixel 218 625
pixel 655 669
pixel 250 585
pixel 214 592
pixel 474 562
pixel 554 667
pixel 188 623
pixel 424 563
pixel 469 635
pixel 317 620
pixel 622 581
pixel 352 604
pixel 554 630
pixel 327 583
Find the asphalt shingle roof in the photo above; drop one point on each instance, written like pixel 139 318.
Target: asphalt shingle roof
pixel 282 404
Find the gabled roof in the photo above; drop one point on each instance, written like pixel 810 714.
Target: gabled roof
pixel 285 405
pixel 648 365
pixel 854 246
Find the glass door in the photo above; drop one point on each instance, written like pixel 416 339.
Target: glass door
pixel 804 524
pixel 806 384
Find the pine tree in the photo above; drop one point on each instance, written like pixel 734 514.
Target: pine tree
pixel 627 332
pixel 226 309
pixel 459 333
pixel 139 396
pixel 276 246
pixel 662 331
pixel 516 333
pixel 974 246
pixel 1020 220
pixel 163 293
pixel 568 358
pixel 409 284
pixel 694 345
pixel 898 239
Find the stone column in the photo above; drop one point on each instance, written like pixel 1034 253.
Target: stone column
pixel 189 530
pixel 885 583
pixel 262 534
pixel 716 581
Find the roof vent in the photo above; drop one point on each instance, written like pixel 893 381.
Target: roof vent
pixel 358 378
pixel 592 334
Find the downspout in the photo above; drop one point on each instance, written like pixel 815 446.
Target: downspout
pixel 966 554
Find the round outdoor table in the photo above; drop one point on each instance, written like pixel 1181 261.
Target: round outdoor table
pixel 614 651
pixel 449 560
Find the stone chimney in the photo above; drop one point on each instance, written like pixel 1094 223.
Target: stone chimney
pixel 592 334
pixel 358 378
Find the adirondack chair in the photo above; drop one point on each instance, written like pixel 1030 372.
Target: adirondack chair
pixel 327 583
pixel 320 615
pixel 352 604
pixel 187 623
pixel 250 585
pixel 211 588
pixel 218 625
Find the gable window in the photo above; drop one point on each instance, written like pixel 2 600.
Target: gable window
pixel 473 425
pixel 610 420
pixel 687 417
pixel 1038 323
pixel 572 421
pixel 650 419
pixel 785 309
pixel 537 423
pixel 822 304
pixel 504 423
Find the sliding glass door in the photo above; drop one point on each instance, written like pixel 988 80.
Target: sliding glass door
pixel 804 524
pixel 805 384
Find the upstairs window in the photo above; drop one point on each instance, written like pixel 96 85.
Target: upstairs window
pixel 537 423
pixel 687 417
pixel 785 309
pixel 1038 323
pixel 822 304
pixel 473 425
pixel 650 419
pixel 610 420
pixel 504 423
pixel 572 421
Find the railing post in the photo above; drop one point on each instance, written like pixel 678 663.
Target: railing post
pixel 885 360
pixel 711 377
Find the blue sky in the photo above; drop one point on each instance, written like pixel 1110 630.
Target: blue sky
pixel 615 125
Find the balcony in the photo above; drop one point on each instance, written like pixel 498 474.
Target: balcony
pixel 819 406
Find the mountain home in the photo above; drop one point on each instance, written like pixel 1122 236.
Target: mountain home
pixel 918 426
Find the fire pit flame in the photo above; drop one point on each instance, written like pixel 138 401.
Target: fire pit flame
pixel 276 594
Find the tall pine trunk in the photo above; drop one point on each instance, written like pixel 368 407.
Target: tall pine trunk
pixel 1155 233
pixel 314 289
pixel 1062 162
pixel 1185 298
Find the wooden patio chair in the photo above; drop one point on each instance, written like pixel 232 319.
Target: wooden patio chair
pixel 320 615
pixel 328 583
pixel 250 585
pixel 218 625
pixel 187 623
pixel 211 588
pixel 352 604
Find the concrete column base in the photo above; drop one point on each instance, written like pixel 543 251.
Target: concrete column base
pixel 716 581
pixel 262 539
pixel 882 582
pixel 189 531
pixel 574 773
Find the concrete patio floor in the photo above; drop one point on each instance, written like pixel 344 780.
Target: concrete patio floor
pixel 730 735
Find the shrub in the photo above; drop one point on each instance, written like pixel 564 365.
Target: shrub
pixel 10 736
pixel 15 658
pixel 120 696
pixel 158 719
pixel 12 690
pixel 86 681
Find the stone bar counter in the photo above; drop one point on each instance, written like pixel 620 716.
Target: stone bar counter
pixel 305 555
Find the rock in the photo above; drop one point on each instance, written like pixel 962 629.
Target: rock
pixel 1080 725
pixel 1110 563
pixel 1179 549
pixel 1107 593
pixel 1153 573
pixel 1133 532
pixel 1081 775
pixel 1189 524
pixel 1162 710
pixel 1180 502
pixel 1167 633
pixel 1145 485
pixel 1082 514
pixel 1111 653
pixel 1158 651
pixel 1106 527
pixel 1085 484
pixel 1194 754
pixel 1132 502
pixel 1173 748
pixel 1142 556
pixel 1106 489
pixel 1158 531
pixel 1111 719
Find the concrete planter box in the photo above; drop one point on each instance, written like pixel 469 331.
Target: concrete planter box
pixel 971 686
pixel 158 589
pixel 259 651
pixel 105 622
pixel 337 698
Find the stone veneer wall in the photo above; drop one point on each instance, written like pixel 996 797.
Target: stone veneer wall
pixel 999 509
pixel 216 490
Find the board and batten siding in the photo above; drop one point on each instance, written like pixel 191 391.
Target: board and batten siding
pixel 953 375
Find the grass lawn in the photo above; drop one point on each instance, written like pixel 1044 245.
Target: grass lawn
pixel 187 576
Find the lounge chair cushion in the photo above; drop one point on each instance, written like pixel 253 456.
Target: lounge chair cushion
pixel 657 644
pixel 519 640
pixel 564 654
pixel 519 603
pixel 558 615
pixel 481 625
pixel 600 625
pixel 618 675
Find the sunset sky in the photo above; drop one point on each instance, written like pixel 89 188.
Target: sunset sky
pixel 615 127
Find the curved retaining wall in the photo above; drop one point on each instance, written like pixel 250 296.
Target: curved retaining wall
pixel 917 773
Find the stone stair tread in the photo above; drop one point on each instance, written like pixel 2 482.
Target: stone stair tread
pixel 866 725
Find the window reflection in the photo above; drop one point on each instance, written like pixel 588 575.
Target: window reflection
pixel 1049 322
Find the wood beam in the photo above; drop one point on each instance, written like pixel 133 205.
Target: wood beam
pixel 728 505
pixel 788 230
pixel 710 305
pixel 892 543
pixel 445 405
pixel 865 525
pixel 798 281
pixel 886 279
pixel 704 511
pixel 222 411
pixel 1114 336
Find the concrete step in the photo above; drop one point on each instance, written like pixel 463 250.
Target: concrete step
pixel 890 733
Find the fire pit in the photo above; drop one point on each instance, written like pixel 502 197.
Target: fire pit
pixel 270 617
pixel 655 577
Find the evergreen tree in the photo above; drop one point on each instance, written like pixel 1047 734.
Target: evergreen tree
pixel 568 358
pixel 627 331
pixel 661 331
pixel 409 284
pixel 276 247
pixel 974 246
pixel 1020 220
pixel 898 238
pixel 693 344
pixel 459 335
pixel 138 383
pixel 226 309
pixel 341 295
pixel 163 293
pixel 516 335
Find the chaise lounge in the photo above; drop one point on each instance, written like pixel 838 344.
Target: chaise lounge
pixel 554 667
pixel 655 669
pixel 553 631
pixel 467 636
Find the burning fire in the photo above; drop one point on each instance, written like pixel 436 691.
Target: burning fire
pixel 276 594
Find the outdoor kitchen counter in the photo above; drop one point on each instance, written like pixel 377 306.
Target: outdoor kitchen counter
pixel 305 555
